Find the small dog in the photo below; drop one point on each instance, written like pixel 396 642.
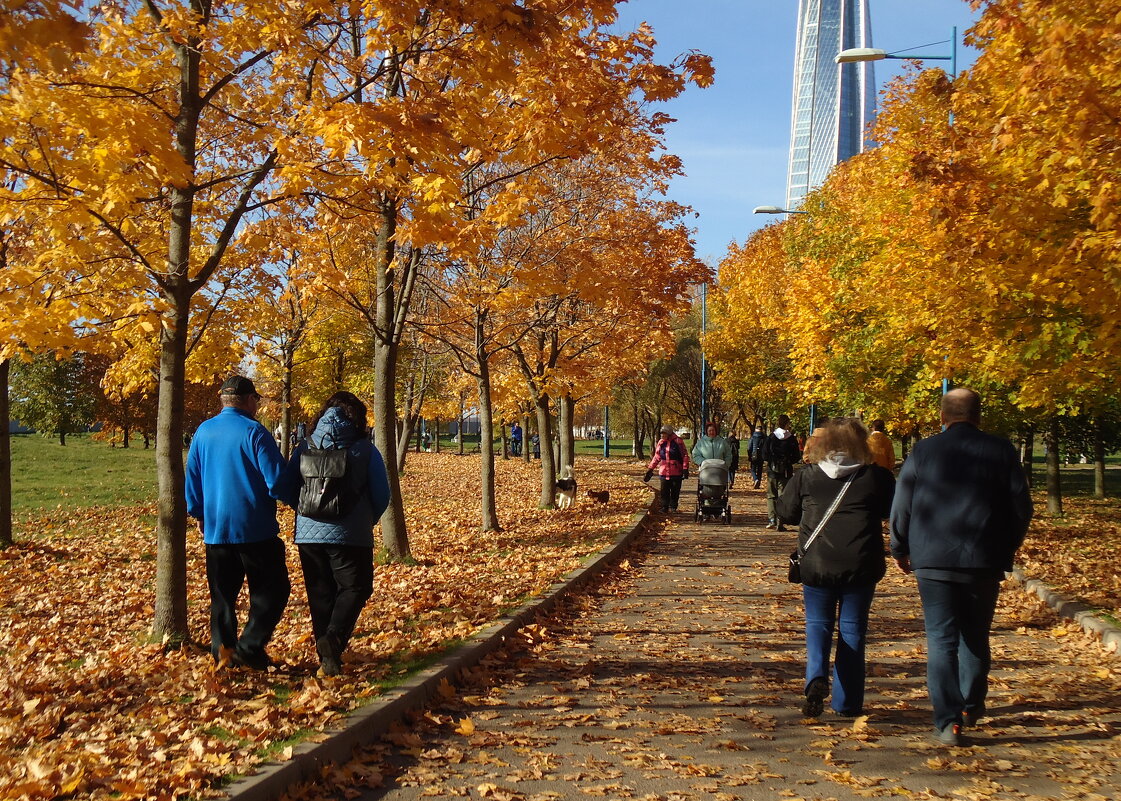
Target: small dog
pixel 566 488
pixel 600 496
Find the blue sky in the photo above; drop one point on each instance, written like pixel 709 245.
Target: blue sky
pixel 734 136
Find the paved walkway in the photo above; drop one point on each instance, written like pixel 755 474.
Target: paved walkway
pixel 679 676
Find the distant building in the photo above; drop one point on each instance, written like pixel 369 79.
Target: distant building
pixel 833 103
pixel 16 427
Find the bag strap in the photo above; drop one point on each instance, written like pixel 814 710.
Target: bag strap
pixel 828 514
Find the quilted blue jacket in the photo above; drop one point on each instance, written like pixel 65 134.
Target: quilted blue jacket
pixel 334 431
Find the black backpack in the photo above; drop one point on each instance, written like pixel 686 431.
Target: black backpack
pixel 333 482
pixel 782 457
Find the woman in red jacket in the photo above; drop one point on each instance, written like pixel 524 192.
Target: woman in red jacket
pixel 671 460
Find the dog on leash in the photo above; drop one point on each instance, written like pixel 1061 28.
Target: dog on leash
pixel 566 488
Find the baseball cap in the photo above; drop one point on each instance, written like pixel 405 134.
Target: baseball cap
pixel 238 385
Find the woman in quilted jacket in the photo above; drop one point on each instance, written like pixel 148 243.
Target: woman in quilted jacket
pixel 337 546
pixel 671 461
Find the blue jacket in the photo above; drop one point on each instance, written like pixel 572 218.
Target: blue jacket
pixel 961 503
pixel 233 472
pixel 334 431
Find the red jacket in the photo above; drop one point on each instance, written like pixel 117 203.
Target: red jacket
pixel 668 460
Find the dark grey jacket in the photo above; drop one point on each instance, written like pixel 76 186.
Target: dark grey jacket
pixel 334 431
pixel 961 502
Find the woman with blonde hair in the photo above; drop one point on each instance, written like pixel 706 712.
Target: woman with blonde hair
pixel 839 503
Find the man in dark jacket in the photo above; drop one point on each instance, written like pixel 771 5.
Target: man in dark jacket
pixel 755 454
pixel 781 453
pixel 961 510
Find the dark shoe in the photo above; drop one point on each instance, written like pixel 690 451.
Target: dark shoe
pixel 781 527
pixel 770 525
pixel 951 735
pixel 330 655
pixel 815 697
pixel 257 661
pixel 848 714
pixel 756 485
pixel 971 717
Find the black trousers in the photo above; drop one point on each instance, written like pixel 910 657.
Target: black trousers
pixel 262 565
pixel 339 579
pixel 671 492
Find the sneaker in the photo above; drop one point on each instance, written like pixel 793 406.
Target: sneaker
pixel 756 485
pixel 815 697
pixel 951 735
pixel 971 717
pixel 770 525
pixel 330 661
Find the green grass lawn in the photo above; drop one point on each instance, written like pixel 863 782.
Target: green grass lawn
pixel 81 473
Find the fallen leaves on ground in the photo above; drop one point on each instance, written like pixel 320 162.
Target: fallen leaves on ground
pixel 87 707
pixel 1077 554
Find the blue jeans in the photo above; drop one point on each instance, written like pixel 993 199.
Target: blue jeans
pixel 822 604
pixel 958 617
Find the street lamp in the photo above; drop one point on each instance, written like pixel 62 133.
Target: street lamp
pixel 778 210
pixel 856 54
pixel 775 210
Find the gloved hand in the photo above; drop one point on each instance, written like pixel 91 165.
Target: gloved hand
pixel 647 477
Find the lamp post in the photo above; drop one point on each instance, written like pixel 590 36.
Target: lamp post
pixel 778 210
pixel 704 362
pixel 856 54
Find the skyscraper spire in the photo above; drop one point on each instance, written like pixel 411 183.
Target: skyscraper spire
pixel 833 104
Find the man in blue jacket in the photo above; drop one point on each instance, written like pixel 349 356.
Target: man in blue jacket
pixel 234 471
pixel 961 510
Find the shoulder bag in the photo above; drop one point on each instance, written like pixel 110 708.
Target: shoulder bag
pixel 794 569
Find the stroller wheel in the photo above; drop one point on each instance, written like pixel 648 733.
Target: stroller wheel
pixel 727 515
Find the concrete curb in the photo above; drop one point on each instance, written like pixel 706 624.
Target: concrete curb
pixel 1109 634
pixel 369 723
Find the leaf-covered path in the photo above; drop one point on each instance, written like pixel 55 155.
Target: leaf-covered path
pixel 679 678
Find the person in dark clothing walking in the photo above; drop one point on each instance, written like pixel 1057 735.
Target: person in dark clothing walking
pixel 233 479
pixel 755 454
pixel 781 453
pixel 734 451
pixel 961 511
pixel 840 566
pixel 337 551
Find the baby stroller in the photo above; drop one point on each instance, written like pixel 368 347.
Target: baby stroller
pixel 712 491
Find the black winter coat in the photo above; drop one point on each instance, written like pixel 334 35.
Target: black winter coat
pixel 850 550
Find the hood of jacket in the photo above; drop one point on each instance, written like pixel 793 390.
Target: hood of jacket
pixel 334 431
pixel 838 464
pixel 781 433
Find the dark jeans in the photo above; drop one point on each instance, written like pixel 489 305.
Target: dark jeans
pixel 227 568
pixel 775 485
pixel 958 617
pixel 671 492
pixel 822 605
pixel 339 579
pixel 757 470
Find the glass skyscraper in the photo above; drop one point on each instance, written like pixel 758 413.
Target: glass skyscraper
pixel 833 103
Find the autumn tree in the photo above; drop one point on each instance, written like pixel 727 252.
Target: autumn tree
pixel 56 394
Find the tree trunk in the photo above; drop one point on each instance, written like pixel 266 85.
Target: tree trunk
pixel 1099 458
pixel 505 440
pixel 1054 485
pixel 459 427
pixel 548 465
pixel 1027 454
pixel 526 450
pixel 170 620
pixel 286 408
pixel 488 505
pixel 393 531
pixel 566 408
pixel 62 436
pixel 124 436
pixel 5 457
pixel 436 435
